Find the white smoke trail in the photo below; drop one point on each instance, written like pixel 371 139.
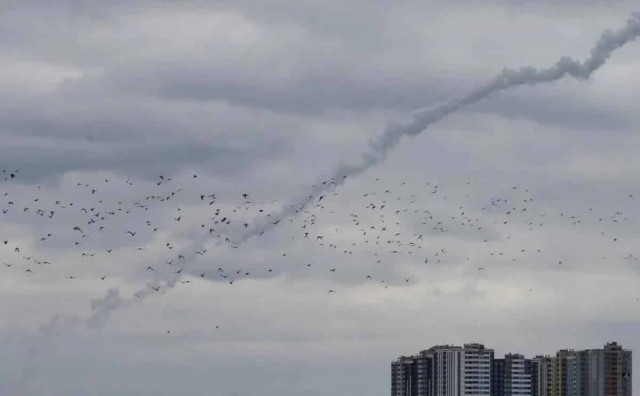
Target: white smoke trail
pixel 377 149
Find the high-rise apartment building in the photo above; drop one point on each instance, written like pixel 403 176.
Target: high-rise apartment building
pixel 511 376
pixel 517 379
pixel 471 370
pixel 462 370
pixel 497 377
pixel 541 374
pixel 605 371
pixel 560 372
pixel 617 370
pixel 403 377
pixel 590 372
pixel 444 371
pixel 531 368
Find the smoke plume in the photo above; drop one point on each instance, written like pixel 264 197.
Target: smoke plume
pixel 378 148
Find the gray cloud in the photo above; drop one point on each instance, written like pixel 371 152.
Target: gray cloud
pixel 266 98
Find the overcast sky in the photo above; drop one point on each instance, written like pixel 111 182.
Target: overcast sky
pixel 268 98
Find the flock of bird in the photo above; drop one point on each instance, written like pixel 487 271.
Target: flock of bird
pixel 96 222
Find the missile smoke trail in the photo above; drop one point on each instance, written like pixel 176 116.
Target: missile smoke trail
pixel 378 148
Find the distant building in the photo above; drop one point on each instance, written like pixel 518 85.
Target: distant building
pixel 497 377
pixel 462 370
pixel 560 373
pixel 412 375
pixel 590 372
pixel 541 374
pixel 444 371
pixel 472 370
pixel 511 376
pixel 403 376
pixel 531 369
pixel 606 371
pixel 617 370
pixel 517 380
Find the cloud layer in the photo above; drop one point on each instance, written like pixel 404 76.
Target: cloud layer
pixel 267 100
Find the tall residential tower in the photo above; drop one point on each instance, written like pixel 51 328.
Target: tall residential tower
pixel 444 371
pixel 472 370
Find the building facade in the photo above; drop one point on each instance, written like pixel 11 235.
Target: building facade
pixel 617 370
pixel 403 375
pixel 541 374
pixel 472 370
pixel 590 372
pixel 511 376
pixel 517 379
pixel 462 370
pixel 444 370
pixel 497 377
